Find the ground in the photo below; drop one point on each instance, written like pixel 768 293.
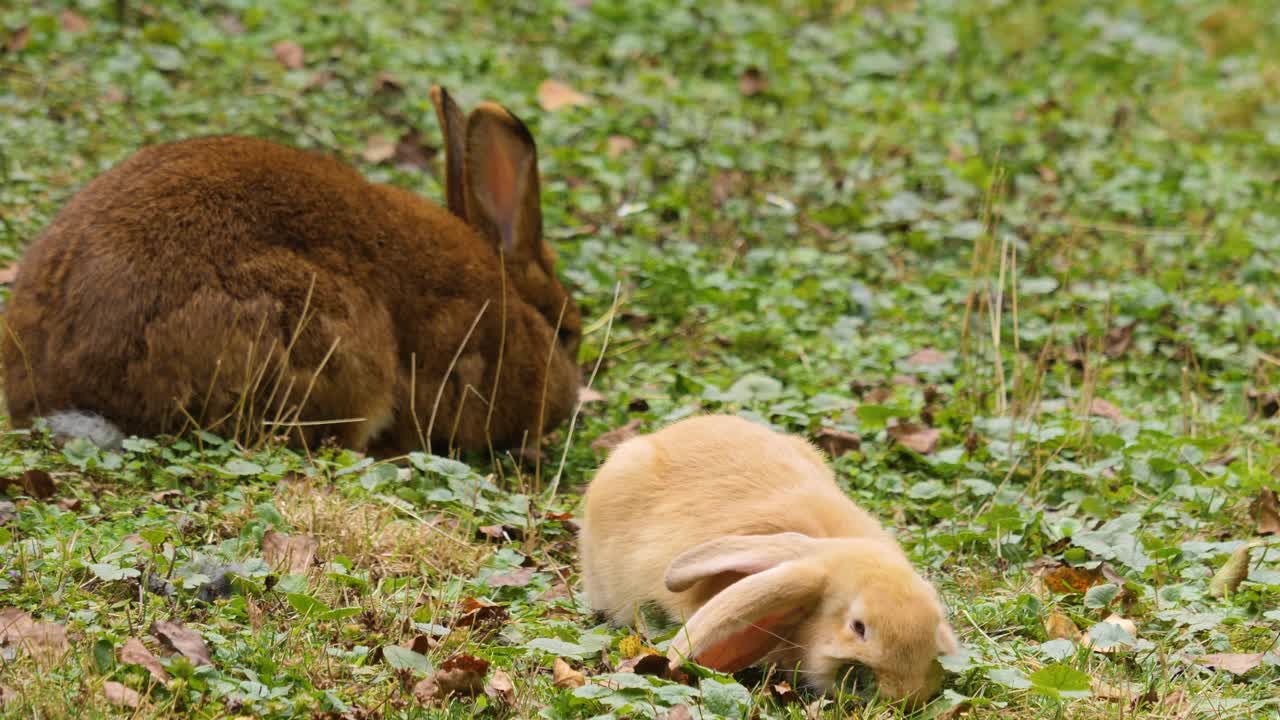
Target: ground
pixel 1015 264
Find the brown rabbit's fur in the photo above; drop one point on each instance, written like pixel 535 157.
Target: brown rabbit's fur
pixel 212 278
pixel 742 534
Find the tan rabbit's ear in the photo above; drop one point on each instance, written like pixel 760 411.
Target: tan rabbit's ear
pixel 502 181
pixel 739 554
pixel 453 126
pixel 746 620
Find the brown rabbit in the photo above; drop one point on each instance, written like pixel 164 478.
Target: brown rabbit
pixel 741 533
pixel 231 283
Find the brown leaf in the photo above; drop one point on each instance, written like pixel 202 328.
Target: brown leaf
pixel 35 483
pixel 231 25
pixel 649 662
pixel 677 712
pixel 44 641
pixel 501 688
pixel 589 395
pixel 378 149
pixel 461 675
pixel 1233 572
pixel 606 442
pixel 1266 512
pixel 73 22
pixel 292 553
pixel 1118 340
pixel 167 497
pixel 725 185
pixel 927 357
pixel 1234 663
pixel 1262 404
pixel 1101 408
pixel 425 691
pixel 422 644
pixel 784 693
pixel 413 152
pixel 565 677
pixel 1113 619
pixel 288 54
pixel 1047 174
pixel 1060 627
pixel 8 274
pixel 752 81
pixel 17 42
pixel 1114 693
pixel 318 80
pixel 385 82
pixel 1066 579
pixel 836 442
pixel 135 653
pixel 554 95
pixel 182 640
pixel 515 578
pixel 916 437
pixel 8 512
pixel 121 695
pixel 618 145
pixel 477 612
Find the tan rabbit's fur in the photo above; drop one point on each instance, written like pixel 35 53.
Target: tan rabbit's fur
pixel 211 278
pixel 741 533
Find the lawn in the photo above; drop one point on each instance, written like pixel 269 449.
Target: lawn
pixel 1015 264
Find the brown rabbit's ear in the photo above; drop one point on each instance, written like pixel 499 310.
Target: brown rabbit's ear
pixel 745 621
pixel 502 181
pixel 453 126
pixel 740 554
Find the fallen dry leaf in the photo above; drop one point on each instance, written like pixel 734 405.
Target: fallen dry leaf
pixel 478 612
pixel 618 145
pixel 292 553
pixel 182 640
pixel 73 22
pixel 927 357
pixel 385 82
pixel 133 652
pixel 1262 404
pixel 35 483
pixel 17 42
pixel 1234 663
pixel 378 149
pixel 1130 626
pixel 8 274
pixel 44 641
pixel 916 437
pixel 606 442
pixel 565 677
pixel 8 512
pixel 120 694
pixel 288 54
pixel 425 691
pixel 1266 512
pixel 413 152
pixel 1233 572
pixel 516 578
pixel 1118 340
pixel 752 81
pixel 677 712
pixel 646 663
pixel 1103 409
pixel 1060 627
pixel 460 675
pixel 231 25
pixel 589 395
pixel 554 95
pixel 501 688
pixel 1066 579
pixel 1114 693
pixel 784 693
pixel 836 442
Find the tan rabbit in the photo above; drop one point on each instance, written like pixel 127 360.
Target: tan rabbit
pixel 230 282
pixel 741 533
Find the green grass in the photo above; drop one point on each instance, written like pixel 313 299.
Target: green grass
pixel 779 254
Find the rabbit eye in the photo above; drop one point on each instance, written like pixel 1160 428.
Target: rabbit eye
pixel 859 629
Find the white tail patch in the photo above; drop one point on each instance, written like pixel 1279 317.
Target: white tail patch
pixel 76 423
